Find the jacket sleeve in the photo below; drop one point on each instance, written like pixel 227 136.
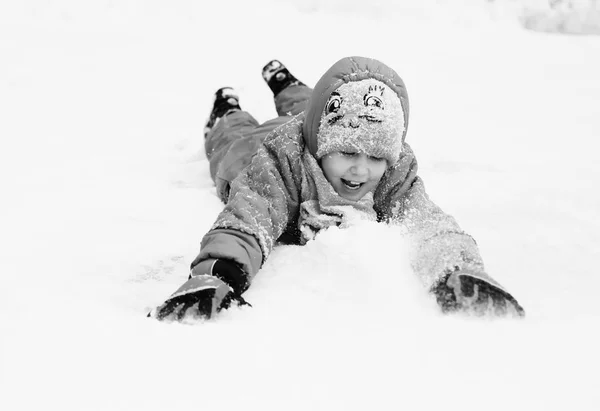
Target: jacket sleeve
pixel 262 200
pixel 438 243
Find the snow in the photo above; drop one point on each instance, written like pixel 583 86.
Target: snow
pixel 106 195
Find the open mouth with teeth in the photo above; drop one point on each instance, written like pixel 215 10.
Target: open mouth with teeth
pixel 352 185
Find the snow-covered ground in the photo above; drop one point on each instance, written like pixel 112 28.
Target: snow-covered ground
pixel 106 194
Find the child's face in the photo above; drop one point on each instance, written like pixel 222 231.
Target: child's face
pixel 353 175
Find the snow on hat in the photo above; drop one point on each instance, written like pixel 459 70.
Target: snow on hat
pixel 357 88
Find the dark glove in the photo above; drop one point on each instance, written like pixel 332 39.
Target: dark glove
pixel 459 291
pixel 201 296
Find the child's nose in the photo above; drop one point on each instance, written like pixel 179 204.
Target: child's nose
pixel 360 166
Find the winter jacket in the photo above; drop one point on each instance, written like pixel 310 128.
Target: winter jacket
pixel 283 196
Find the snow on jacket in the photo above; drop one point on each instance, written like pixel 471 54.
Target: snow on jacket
pixel 283 196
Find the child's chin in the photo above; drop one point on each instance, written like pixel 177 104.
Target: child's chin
pixel 353 198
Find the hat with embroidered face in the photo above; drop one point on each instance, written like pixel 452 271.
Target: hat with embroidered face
pixel 358 105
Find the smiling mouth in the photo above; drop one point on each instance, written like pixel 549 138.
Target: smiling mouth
pixel 352 185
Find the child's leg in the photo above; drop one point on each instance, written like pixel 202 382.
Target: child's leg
pixel 230 128
pixel 232 145
pixel 292 100
pixel 227 126
pixel 291 95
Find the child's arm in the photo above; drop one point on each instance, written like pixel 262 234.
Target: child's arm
pixel 441 248
pixel 263 200
pixel 261 203
pixel 440 244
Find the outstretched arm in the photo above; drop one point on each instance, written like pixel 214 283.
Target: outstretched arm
pixel 444 256
pixel 261 201
pixel 440 245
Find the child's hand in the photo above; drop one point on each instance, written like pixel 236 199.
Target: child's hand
pixel 201 296
pixel 459 291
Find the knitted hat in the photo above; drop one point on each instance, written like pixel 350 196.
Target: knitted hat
pixel 358 105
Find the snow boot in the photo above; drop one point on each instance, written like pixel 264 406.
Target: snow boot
pixel 226 100
pixel 278 77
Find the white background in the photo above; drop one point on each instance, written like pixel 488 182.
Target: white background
pixel 106 195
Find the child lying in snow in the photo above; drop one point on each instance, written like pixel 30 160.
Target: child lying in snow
pixel 334 149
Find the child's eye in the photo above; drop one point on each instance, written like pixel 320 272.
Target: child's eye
pixel 333 105
pixel 376 159
pixel 347 153
pixel 373 101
